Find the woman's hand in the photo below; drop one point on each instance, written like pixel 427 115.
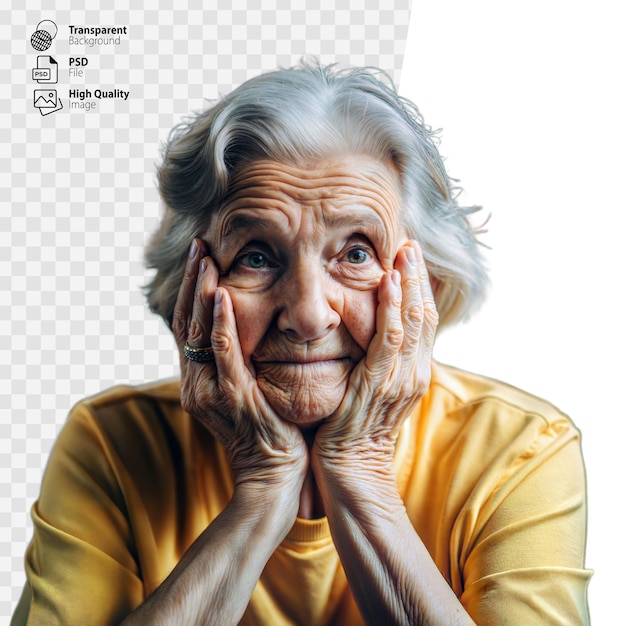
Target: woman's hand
pixel 263 450
pixel 391 574
pixel 215 578
pixel 390 379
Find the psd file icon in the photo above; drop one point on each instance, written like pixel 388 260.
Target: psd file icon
pixel 47 70
pixel 46 101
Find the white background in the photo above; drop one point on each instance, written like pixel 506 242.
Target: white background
pixel 530 97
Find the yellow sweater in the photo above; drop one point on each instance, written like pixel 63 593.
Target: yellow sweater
pixel 492 478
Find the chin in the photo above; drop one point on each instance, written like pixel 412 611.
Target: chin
pixel 305 421
pixel 305 407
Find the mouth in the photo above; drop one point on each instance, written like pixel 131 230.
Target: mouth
pixel 302 360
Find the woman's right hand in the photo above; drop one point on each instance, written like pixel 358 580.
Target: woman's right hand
pixel 264 450
pixel 215 578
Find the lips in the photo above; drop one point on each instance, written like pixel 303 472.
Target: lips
pixel 300 360
pixel 302 369
pixel 287 352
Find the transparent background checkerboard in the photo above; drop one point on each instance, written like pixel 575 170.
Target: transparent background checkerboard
pixel 79 202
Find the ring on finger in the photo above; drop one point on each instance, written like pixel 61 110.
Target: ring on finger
pixel 199 355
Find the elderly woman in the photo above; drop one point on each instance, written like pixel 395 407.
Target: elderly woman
pixel 313 465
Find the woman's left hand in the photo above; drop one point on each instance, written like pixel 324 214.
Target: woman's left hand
pixel 390 379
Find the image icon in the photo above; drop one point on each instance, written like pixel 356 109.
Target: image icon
pixel 47 70
pixel 42 38
pixel 46 101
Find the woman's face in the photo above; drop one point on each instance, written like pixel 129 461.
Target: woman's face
pixel 301 253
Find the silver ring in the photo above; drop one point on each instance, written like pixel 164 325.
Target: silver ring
pixel 199 355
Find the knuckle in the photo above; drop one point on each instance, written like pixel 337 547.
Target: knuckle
pixel 413 314
pixel 394 336
pixel 221 342
pixel 412 286
pixel 196 331
pixel 431 314
pixel 413 282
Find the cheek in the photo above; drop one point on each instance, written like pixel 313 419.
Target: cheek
pixel 359 316
pixel 253 314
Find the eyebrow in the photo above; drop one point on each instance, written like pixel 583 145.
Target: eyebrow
pixel 359 220
pixel 241 221
pixel 370 221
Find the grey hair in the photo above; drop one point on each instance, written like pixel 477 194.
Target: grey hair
pixel 299 116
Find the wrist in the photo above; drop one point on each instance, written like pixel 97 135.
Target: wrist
pixel 355 460
pixel 271 504
pixel 359 487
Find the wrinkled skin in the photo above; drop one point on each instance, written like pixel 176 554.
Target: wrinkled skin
pixel 322 321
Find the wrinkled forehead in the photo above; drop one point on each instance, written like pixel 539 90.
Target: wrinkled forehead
pixel 330 201
pixel 313 181
pixel 361 182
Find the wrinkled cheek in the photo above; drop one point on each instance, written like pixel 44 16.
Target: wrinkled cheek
pixel 360 318
pixel 253 317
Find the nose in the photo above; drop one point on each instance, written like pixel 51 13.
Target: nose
pixel 308 304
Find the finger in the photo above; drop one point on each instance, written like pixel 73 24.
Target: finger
pixel 419 315
pixel 381 358
pixel 410 264
pixel 199 334
pixel 234 378
pixel 238 383
pixel 231 370
pixel 431 319
pixel 199 384
pixel 184 300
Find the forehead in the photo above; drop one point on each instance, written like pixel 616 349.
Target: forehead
pixel 362 183
pixel 339 175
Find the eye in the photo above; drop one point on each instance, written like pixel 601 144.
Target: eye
pixel 254 260
pixel 357 256
pixel 254 266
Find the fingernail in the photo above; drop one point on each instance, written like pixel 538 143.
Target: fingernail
pixel 193 249
pixel 203 265
pixel 217 301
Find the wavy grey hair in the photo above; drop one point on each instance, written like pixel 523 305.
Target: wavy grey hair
pixel 299 116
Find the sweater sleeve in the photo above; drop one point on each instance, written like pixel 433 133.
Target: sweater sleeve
pixel 524 563
pixel 80 565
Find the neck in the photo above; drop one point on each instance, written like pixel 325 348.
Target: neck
pixel 311 505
